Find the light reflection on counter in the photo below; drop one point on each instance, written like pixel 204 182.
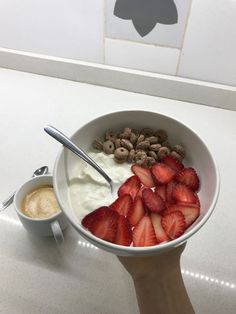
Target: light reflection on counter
pixel 183 271
pixel 207 278
pixel 86 244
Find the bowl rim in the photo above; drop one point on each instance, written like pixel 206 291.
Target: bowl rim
pixel 130 250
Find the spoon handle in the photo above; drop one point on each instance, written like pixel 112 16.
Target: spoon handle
pixel 64 140
pixel 7 202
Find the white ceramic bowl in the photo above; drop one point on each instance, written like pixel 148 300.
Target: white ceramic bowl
pixel 198 155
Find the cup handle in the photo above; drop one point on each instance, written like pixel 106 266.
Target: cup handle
pixel 57 232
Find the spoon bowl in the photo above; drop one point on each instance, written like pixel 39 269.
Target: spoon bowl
pixel 40 171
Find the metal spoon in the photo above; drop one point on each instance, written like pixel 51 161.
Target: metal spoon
pixel 39 172
pixel 63 139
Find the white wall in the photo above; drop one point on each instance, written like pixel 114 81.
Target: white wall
pixel 209 48
pixel 66 28
pixel 201 46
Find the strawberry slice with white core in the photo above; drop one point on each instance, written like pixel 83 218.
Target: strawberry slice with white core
pixel 190 212
pixel 173 163
pixel 124 232
pixel 162 173
pixel 173 224
pixel 131 186
pixel 153 201
pixel 136 212
pixel 161 191
pixel 144 175
pixel 104 225
pixel 122 204
pixel 182 193
pixel 159 231
pixel 189 177
pixel 144 233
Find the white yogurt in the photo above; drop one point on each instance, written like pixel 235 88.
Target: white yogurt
pixel 89 190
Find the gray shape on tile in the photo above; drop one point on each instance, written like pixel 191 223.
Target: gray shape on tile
pixel 124 9
pixel 119 24
pixel 146 14
pixel 144 27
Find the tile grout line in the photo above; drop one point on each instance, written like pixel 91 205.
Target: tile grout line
pixel 185 31
pixel 143 44
pixel 104 30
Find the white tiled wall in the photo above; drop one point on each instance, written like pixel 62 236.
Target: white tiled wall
pixel 209 50
pixel 141 56
pixel 202 45
pixel 65 28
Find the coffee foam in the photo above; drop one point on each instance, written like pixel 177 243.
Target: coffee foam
pixel 40 203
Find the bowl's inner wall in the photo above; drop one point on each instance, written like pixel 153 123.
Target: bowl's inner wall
pixel 197 154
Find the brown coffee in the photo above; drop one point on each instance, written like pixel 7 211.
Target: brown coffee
pixel 40 203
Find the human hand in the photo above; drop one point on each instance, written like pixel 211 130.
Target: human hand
pixel 158 265
pixel 158 282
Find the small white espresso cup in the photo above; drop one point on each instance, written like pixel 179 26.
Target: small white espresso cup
pixel 52 225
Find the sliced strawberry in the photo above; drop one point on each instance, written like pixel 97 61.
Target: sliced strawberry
pixel 124 232
pixel 136 212
pixel 122 204
pixel 161 191
pixel 189 177
pixel 182 193
pixel 153 201
pixel 144 175
pixel 104 225
pixel 169 191
pixel 189 204
pixel 144 233
pixel 140 192
pixel 173 163
pixel 164 212
pixel 89 219
pixel 159 231
pixel 131 186
pixel 190 213
pixel 173 224
pixel 162 173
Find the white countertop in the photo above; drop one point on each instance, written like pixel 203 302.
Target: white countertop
pixel 36 276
